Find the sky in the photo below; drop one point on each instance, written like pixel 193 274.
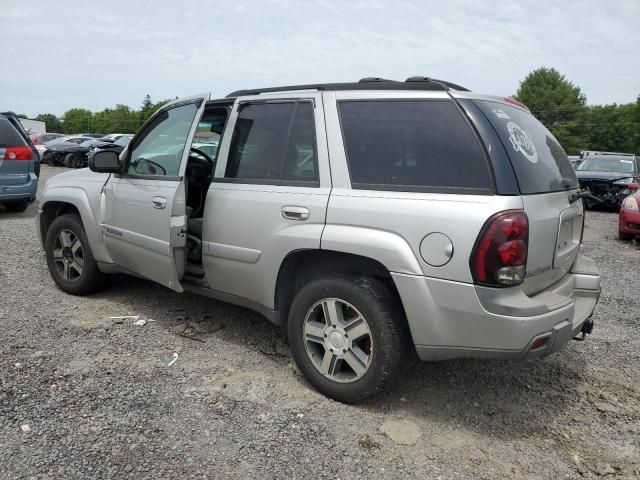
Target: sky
pixel 62 54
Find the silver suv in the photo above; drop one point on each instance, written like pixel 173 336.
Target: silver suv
pixel 372 219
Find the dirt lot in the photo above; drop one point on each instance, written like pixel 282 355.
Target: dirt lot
pixel 84 397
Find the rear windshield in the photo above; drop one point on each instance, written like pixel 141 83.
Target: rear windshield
pixel 540 163
pixel 412 145
pixel 9 136
pixel 605 163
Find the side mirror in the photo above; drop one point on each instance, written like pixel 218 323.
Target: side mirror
pixel 633 186
pixel 104 161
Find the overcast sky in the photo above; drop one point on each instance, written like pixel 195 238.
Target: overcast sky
pixel 75 53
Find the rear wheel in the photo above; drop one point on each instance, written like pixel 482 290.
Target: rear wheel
pixel 70 259
pixel 16 207
pixel 347 336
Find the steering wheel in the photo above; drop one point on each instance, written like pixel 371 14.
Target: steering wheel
pixel 150 166
pixel 203 155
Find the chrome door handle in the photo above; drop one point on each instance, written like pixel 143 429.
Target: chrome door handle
pixel 295 213
pixel 159 202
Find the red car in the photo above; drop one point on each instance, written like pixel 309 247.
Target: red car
pixel 42 138
pixel 629 220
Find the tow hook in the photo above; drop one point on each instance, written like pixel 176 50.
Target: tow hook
pixel 587 328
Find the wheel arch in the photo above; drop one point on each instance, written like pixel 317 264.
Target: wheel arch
pixel 61 201
pixel 301 266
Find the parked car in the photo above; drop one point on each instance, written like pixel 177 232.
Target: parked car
pixel 112 137
pixel 117 145
pixel 414 236
pixel 71 153
pixel 607 177
pixel 19 165
pixel 629 216
pixel 575 160
pixel 92 135
pixel 41 139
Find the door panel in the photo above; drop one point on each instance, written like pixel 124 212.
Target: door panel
pixel 252 224
pixel 144 219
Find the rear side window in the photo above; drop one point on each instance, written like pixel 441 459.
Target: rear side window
pixel 540 163
pixel 274 143
pixel 412 145
pixel 9 137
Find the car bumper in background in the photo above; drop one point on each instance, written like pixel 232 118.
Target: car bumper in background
pixel 453 320
pixel 21 191
pixel 629 222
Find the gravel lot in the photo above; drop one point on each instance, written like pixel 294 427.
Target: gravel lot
pixel 84 397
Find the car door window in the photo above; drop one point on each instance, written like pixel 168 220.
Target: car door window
pixel 159 148
pixel 274 143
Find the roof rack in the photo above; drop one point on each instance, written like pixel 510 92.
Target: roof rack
pixel 591 153
pixel 367 83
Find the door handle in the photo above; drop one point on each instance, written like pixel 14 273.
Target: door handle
pixel 159 202
pixel 295 213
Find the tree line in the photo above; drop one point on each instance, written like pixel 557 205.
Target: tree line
pixel 555 101
pixel 120 119
pixel 562 108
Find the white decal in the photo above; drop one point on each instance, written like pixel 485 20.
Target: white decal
pixel 500 113
pixel 522 142
pixel 623 161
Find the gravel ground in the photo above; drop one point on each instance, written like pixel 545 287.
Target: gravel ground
pixel 84 397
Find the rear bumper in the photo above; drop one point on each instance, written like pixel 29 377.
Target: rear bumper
pixel 21 191
pixel 457 320
pixel 629 222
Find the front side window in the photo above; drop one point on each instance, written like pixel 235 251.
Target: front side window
pixel 412 145
pixel 158 150
pixel 274 142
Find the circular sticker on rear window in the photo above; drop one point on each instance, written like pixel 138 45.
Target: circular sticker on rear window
pixel 522 142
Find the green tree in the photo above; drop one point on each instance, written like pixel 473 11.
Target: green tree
pixel 53 123
pixel 558 104
pixel 77 120
pixel 149 108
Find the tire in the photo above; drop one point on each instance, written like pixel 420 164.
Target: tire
pixel 625 237
pixel 16 207
pixel 378 356
pixel 73 269
pixel 72 160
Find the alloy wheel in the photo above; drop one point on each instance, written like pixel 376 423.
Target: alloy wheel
pixel 338 340
pixel 68 255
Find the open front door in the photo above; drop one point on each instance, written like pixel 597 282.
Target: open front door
pixel 143 209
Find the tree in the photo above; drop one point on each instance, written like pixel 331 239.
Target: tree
pixel 558 104
pixel 77 120
pixel 149 108
pixel 53 123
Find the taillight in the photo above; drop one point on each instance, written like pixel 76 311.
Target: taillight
pixel 500 255
pixel 18 153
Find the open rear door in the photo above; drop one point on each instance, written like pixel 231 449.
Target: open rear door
pixel 143 212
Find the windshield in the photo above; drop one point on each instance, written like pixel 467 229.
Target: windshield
pixel 607 164
pixel 540 163
pixel 122 141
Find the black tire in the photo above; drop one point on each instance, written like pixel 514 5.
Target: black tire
pixel 385 318
pixel 625 237
pixel 91 279
pixel 17 206
pixel 72 160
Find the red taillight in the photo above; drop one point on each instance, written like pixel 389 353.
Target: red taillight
pixel 500 255
pixel 18 153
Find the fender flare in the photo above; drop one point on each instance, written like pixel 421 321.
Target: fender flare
pixel 389 249
pixel 77 197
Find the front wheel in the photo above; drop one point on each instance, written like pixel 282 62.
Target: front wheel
pixel 347 336
pixel 626 237
pixel 72 160
pixel 70 259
